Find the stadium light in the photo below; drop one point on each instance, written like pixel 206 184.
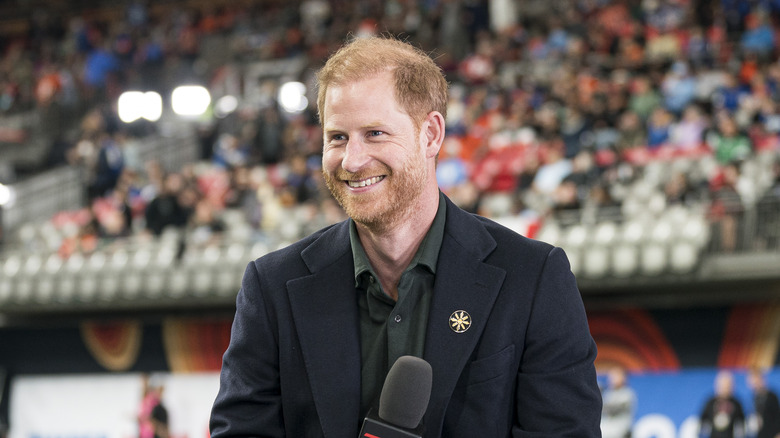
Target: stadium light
pixel 134 105
pixel 225 105
pixel 292 97
pixel 7 196
pixel 190 100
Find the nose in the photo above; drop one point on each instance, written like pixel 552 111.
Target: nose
pixel 355 155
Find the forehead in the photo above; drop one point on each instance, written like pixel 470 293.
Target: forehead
pixel 372 97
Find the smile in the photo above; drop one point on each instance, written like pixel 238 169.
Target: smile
pixel 365 182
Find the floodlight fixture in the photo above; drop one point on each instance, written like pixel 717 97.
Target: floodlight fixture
pixel 190 100
pixel 7 196
pixel 134 105
pixel 292 97
pixel 225 105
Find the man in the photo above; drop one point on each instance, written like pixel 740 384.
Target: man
pixel 766 405
pixel 319 324
pixel 723 416
pixel 617 414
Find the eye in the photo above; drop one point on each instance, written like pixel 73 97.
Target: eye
pixel 375 133
pixel 338 137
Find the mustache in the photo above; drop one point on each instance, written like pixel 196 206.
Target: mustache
pixel 345 175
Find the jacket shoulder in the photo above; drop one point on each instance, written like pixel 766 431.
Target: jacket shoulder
pixel 304 255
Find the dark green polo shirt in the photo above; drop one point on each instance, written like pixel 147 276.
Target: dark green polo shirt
pixel 390 329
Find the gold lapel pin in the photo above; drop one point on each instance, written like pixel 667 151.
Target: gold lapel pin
pixel 460 321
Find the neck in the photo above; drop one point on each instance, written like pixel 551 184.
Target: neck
pixel 390 249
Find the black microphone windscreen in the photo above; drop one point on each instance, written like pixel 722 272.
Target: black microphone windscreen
pixel 406 392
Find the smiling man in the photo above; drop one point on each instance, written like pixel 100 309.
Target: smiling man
pixel 319 323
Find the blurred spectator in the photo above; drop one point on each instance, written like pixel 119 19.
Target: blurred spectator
pixel 159 420
pixel 82 237
pixel 230 152
pixel 726 208
pixel 722 415
pixel 688 134
pixel 270 128
pixel 302 178
pixel 620 80
pixel 631 132
pixel 659 128
pixel 566 204
pixel 759 37
pixel 698 49
pixel 109 166
pixel 101 69
pixel 729 95
pixel 204 226
pixel 766 405
pixel 153 184
pixel 478 68
pixel 679 191
pixel 678 87
pixel 644 98
pixel 242 195
pixel 617 414
pixel 584 173
pixel 554 169
pixel 574 129
pixel 152 420
pixel 168 207
pixel 601 203
pixel 728 143
pixel 113 214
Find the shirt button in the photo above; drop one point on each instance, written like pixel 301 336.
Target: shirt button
pixel 397 318
pixel 371 279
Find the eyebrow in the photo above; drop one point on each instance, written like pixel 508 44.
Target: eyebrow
pixel 370 125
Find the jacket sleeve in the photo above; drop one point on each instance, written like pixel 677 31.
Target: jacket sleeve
pixel 249 399
pixel 557 392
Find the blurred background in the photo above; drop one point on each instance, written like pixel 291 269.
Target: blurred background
pixel 150 150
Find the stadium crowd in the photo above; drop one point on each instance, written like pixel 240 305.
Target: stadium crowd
pixel 555 106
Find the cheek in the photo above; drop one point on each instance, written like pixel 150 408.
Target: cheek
pixel 331 160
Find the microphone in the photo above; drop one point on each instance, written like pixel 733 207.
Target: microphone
pixel 402 402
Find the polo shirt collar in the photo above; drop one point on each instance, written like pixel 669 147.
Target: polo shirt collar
pixel 427 254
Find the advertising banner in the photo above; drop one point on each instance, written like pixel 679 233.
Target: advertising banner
pixel 108 406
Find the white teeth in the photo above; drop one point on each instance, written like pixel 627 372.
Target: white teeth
pixel 365 182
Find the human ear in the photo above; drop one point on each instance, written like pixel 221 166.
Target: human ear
pixel 433 133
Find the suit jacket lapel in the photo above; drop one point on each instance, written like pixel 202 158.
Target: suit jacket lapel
pixel 326 318
pixel 463 283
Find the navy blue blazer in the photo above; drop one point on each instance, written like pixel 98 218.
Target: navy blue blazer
pixel 524 368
